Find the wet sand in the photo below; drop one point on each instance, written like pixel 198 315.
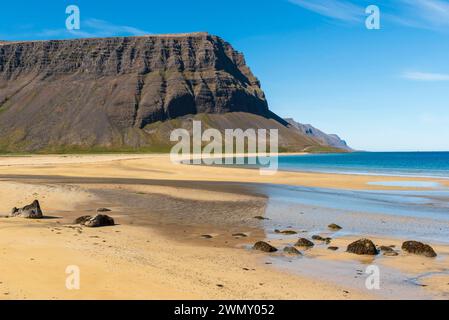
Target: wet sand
pixel 157 250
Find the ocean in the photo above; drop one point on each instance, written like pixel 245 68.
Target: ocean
pixel 415 164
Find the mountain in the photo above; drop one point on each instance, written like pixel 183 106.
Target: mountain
pixel 124 94
pixel 331 140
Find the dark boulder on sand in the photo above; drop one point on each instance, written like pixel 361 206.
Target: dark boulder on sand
pixel 286 232
pixel 32 211
pixel 334 227
pixel 418 248
pixel 265 247
pixel 292 251
pixel 363 247
pixel 303 242
pixel 100 220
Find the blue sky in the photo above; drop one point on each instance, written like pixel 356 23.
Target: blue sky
pixel 384 89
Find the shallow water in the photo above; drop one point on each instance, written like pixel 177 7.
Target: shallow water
pixel 421 215
pixel 405 215
pixel 407 184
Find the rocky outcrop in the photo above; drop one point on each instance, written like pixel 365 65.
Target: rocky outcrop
pixel 128 93
pixel 101 89
pixel 419 248
pixel 32 211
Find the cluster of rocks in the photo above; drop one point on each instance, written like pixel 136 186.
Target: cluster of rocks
pixel 34 211
pixel 359 247
pixel 367 247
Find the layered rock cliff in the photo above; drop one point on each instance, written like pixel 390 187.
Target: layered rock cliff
pixel 104 93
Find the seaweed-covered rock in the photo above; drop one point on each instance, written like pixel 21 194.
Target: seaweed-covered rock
pixel 363 247
pixel 265 247
pixel 418 248
pixel 303 242
pixel 31 211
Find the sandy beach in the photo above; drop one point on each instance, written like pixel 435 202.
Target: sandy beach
pixel 158 250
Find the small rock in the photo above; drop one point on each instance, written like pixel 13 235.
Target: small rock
pixel 334 226
pixel 292 251
pixel 317 237
pixel 390 253
pixel 333 248
pixel 260 218
pixel 320 238
pixel 240 235
pixel 82 220
pixel 265 247
pixel 363 247
pixel 303 242
pixel 386 249
pixel 286 232
pixel 206 236
pixel 418 248
pixel 99 220
pixel 32 211
pixel 103 210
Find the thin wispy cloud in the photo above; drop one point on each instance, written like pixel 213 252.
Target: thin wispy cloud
pixel 423 14
pixel 340 9
pixel 104 28
pixel 425 76
pixel 90 28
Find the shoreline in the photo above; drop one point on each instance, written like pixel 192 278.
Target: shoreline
pixel 124 166
pixel 162 211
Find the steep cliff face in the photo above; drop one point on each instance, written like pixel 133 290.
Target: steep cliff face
pixel 104 93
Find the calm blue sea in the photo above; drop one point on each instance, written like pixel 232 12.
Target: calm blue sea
pixel 418 164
